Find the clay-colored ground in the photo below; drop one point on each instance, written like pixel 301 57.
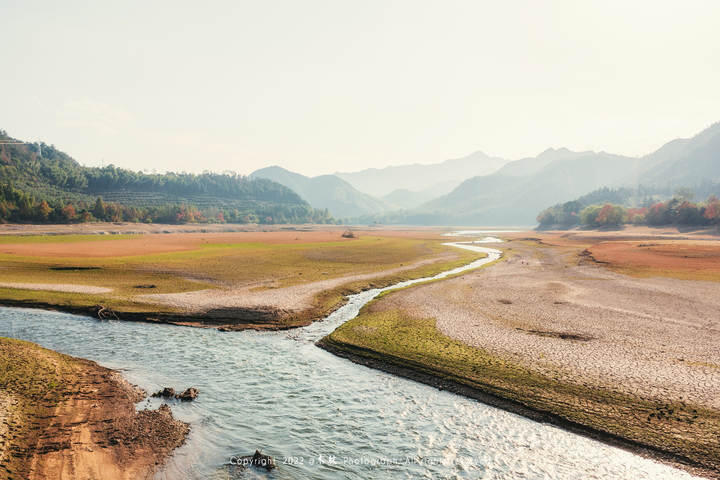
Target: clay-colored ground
pixel 646 252
pixel 65 417
pixel 679 259
pixel 262 279
pixel 550 327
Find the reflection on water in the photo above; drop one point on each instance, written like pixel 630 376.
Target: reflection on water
pixel 320 416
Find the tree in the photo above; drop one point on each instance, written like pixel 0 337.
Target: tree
pixel 689 214
pixel 712 210
pixel 588 216
pixel 658 214
pixel 43 211
pixel 610 215
pixel 99 209
pixel 68 212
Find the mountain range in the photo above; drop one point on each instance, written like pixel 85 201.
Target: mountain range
pixel 378 191
pixel 483 190
pixel 329 192
pixel 474 190
pixel 428 180
pixel 520 189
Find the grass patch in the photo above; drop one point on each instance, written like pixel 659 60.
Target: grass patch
pixel 685 431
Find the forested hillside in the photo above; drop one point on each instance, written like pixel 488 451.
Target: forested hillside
pixel 39 183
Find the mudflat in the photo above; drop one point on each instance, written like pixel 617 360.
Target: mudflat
pixel 65 417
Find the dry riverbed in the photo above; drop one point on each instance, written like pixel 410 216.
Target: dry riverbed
pixel 552 334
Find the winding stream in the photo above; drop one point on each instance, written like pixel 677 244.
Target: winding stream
pixel 320 416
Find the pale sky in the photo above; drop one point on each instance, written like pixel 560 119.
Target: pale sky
pixel 325 86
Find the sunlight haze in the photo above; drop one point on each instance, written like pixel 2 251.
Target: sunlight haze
pixel 319 87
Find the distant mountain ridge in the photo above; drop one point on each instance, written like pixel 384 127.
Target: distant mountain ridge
pixel 430 180
pixel 329 192
pixel 515 193
pixel 686 161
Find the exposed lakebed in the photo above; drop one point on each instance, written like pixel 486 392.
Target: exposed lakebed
pixel 320 416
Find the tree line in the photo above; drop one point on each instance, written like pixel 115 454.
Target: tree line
pixel 18 206
pixel 679 210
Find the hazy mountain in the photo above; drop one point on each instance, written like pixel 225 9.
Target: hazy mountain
pixel 520 189
pixel 687 161
pixel 515 193
pixel 437 178
pixel 325 191
pixel 407 199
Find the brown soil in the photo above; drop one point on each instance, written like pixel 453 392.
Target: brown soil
pixel 691 257
pixel 96 433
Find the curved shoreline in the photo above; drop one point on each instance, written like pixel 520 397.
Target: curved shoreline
pixel 424 375
pixel 72 418
pixel 410 364
pixel 264 318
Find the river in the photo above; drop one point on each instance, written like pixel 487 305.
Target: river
pixel 320 416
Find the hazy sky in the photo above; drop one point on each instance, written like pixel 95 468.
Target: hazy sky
pixel 322 86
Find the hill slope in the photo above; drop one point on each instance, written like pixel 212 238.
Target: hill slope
pixel 511 196
pixel 687 161
pixel 329 192
pixel 31 173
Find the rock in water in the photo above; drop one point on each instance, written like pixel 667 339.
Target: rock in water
pixel 166 392
pixel 188 395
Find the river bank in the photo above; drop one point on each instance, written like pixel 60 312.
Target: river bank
pixel 629 361
pixel 66 417
pixel 272 280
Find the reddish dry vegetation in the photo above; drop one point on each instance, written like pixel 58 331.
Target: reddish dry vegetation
pixel 643 251
pixel 695 260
